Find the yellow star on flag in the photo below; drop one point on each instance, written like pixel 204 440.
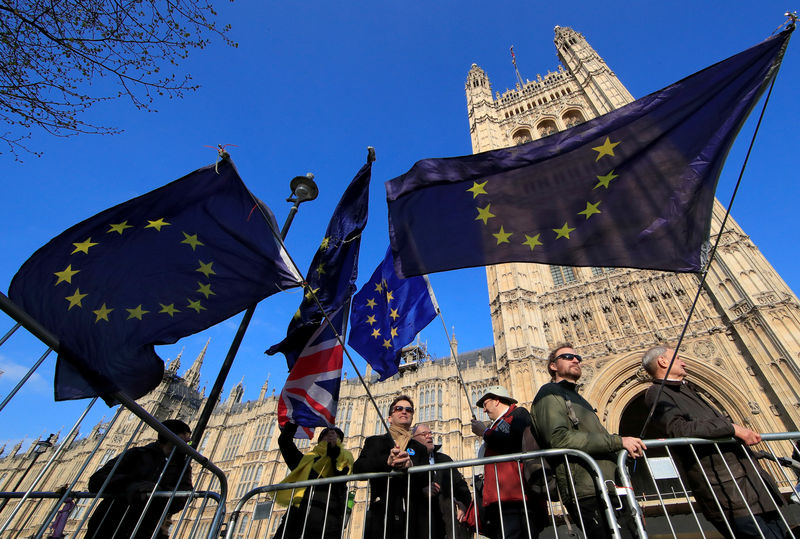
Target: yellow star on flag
pixel 393 332
pixel 324 244
pixel 102 313
pixel 502 236
pixel 607 148
pixel 371 303
pixel 157 224
pixel 136 313
pixel 205 269
pixel 66 275
pixel 478 189
pixel 376 333
pixel 311 292
pixel 532 241
pixel 371 319
pixel 169 309
pixel 393 314
pixel 83 246
pixel 386 344
pixel 484 214
pixel 195 304
pixel 205 289
pixel 321 269
pixel 378 287
pixel 389 296
pixel 119 228
pixel 590 210
pixel 75 299
pixel 603 181
pixel 191 240
pixel 563 232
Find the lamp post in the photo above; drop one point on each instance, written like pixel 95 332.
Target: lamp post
pixel 38 449
pixel 303 189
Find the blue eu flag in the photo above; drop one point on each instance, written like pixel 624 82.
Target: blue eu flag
pixel 633 188
pixel 334 268
pixel 387 314
pixel 149 271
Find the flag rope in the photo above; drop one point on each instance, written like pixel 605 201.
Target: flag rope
pixel 713 251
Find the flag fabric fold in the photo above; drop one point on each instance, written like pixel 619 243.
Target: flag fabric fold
pixel 387 313
pixel 632 188
pixel 149 271
pixel 331 277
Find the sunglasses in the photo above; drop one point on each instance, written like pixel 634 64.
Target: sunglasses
pixel 570 357
pixel 408 409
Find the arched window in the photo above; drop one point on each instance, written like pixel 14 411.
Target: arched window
pixel 546 127
pixel 521 136
pixel 572 118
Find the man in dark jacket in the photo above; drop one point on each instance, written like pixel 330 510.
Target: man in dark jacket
pixel 386 516
pixel 564 419
pixel 682 412
pixel 327 459
pixel 445 508
pixel 505 496
pixel 130 486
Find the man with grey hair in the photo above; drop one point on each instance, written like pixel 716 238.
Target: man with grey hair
pixel 750 506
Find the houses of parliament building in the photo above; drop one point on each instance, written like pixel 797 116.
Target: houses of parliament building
pixel 742 344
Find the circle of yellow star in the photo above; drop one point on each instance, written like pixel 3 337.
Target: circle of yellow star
pixel 376 333
pixel 75 299
pixel 311 292
pixel 393 333
pixel 371 303
pixel 136 313
pixel 484 214
pixel 371 319
pixel 502 236
pixel 590 210
pixel 321 269
pixel 66 275
pixel 169 309
pixel 532 241
pixel 157 224
pixel 102 313
pixel 478 189
pixel 191 240
pixel 393 315
pixel 195 304
pixel 378 287
pixel 607 148
pixel 205 289
pixel 563 232
pixel 389 296
pixel 386 344
pixel 205 269
pixel 603 181
pixel 324 244
pixel 83 246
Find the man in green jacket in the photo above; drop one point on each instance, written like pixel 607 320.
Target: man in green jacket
pixel 564 419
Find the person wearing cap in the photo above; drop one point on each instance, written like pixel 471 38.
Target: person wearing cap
pixel 682 412
pixel 326 511
pixel 393 451
pixel 127 490
pixel 564 419
pixel 505 506
pixel 444 505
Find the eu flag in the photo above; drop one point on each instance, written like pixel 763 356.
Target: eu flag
pixel 149 271
pixel 387 314
pixel 334 267
pixel 633 188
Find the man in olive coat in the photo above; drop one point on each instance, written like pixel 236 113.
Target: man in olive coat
pixel 682 412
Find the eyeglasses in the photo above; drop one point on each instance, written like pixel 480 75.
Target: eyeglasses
pixel 408 409
pixel 570 357
pixel 424 434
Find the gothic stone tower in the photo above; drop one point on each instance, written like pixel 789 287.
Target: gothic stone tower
pixel 742 344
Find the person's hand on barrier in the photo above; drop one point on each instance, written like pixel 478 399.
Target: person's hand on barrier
pixel 461 510
pixel 478 427
pixel 138 491
pixel 748 436
pixel 432 490
pixel 398 459
pixel 634 446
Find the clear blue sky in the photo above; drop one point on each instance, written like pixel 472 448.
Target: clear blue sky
pixel 311 86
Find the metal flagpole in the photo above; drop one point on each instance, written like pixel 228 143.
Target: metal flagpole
pixel 450 343
pixel 303 189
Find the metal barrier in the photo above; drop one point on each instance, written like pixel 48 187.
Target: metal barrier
pixel 257 513
pixel 668 495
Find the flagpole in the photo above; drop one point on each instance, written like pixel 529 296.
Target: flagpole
pixel 303 189
pixel 450 343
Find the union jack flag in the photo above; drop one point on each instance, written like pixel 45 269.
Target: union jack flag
pixel 311 393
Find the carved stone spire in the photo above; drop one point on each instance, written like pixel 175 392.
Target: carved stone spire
pixel 192 375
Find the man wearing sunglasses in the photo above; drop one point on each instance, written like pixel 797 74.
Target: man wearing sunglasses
pixel 564 419
pixel 393 451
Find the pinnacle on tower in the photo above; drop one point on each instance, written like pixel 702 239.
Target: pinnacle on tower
pixel 175 364
pixel 192 375
pixel 264 389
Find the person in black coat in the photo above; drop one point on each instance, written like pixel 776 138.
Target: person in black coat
pixel 445 507
pixel 132 482
pixel 386 516
pixel 328 459
pixel 682 412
